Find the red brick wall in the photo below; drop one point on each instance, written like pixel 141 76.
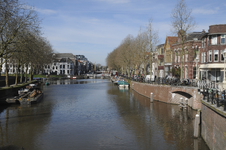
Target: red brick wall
pixel 213 128
pixel 217 28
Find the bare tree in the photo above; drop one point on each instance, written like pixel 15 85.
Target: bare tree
pixel 14 18
pixel 153 40
pixel 182 22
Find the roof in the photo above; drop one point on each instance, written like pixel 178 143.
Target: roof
pixel 195 35
pixel 172 40
pixel 66 60
pixel 64 55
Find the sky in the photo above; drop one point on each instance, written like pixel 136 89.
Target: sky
pixel 94 28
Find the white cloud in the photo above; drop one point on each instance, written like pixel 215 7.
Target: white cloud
pixel 115 1
pixel 46 11
pixel 205 11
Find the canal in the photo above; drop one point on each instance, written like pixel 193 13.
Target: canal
pixel 94 114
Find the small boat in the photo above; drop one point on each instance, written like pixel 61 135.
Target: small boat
pixel 32 97
pixel 123 84
pixel 47 83
pixel 74 77
pixel 31 93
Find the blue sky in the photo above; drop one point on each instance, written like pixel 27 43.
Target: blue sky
pixel 94 28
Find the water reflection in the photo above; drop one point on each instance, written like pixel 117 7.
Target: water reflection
pixel 75 81
pixel 96 114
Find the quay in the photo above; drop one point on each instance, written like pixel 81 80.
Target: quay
pixel 213 118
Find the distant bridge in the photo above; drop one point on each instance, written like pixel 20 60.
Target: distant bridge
pixel 169 94
pixel 98 74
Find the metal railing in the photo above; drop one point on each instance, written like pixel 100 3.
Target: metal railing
pixel 167 81
pixel 214 96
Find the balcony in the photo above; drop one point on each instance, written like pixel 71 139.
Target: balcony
pixel 160 56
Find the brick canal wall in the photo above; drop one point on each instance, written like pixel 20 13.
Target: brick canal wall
pixel 165 93
pixel 213 120
pixel 213 129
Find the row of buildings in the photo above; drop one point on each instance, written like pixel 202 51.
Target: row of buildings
pixel 62 64
pixel 202 55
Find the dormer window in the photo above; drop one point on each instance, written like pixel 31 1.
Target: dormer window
pixel 222 39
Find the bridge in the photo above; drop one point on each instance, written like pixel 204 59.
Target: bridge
pixel 98 74
pixel 169 94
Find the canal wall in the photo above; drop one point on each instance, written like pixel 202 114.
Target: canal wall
pixel 213 126
pixel 213 119
pixel 169 94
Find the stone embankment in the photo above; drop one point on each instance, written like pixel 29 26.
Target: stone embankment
pixel 213 120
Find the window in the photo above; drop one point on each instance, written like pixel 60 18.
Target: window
pixel 204 57
pixel 207 40
pixel 186 57
pixel 216 53
pixel 222 55
pixel 204 42
pixel 210 56
pixel 176 57
pixel 214 40
pixel 222 39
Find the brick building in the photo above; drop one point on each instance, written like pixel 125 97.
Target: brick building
pixel 189 54
pixel 211 53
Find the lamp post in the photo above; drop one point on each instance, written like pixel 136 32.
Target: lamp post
pixel 224 53
pixel 197 59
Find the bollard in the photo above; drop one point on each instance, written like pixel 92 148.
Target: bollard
pixel 181 103
pixel 186 102
pixel 181 100
pixel 151 97
pixel 196 126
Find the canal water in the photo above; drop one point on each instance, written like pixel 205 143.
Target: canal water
pixel 93 114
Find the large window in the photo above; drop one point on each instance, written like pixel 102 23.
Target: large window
pixel 178 56
pixel 222 39
pixel 216 55
pixel 222 55
pixel 214 40
pixel 210 56
pixel 175 57
pixel 204 57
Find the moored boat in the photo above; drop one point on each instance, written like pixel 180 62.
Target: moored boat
pixel 33 97
pixel 30 94
pixel 123 84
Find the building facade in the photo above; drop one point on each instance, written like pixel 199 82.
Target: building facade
pixel 187 54
pixel 211 53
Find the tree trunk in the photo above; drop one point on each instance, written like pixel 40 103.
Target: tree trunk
pixel 26 73
pixel 6 75
pixel 32 73
pixel 17 70
pixel 1 61
pixel 150 64
pixel 21 73
pixel 31 77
